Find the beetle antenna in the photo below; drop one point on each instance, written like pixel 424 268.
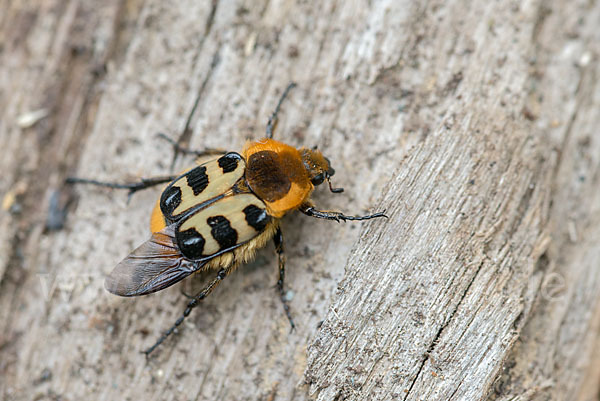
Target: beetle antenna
pixel 332 189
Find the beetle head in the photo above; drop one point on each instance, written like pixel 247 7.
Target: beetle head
pixel 318 167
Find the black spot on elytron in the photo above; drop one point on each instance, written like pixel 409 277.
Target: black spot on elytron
pixel 197 179
pixel 191 243
pixel 170 199
pixel 222 231
pixel 256 217
pixel 229 162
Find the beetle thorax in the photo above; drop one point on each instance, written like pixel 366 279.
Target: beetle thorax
pixel 276 173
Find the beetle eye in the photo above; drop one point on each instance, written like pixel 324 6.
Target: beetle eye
pixel 318 179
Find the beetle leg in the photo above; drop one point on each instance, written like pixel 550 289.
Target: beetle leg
pixel 132 187
pixel 272 124
pixel 187 131
pixel 278 239
pixel 177 148
pixel 191 305
pixel 309 210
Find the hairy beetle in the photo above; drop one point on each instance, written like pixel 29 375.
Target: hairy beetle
pixel 219 212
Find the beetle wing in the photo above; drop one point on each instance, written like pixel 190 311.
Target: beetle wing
pixel 153 266
pixel 201 185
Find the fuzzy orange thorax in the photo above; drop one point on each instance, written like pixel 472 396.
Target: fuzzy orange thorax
pixel 276 173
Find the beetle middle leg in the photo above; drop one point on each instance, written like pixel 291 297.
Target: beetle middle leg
pixel 187 151
pixel 191 305
pixel 278 239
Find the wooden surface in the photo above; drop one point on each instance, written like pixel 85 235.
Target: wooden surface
pixel 474 125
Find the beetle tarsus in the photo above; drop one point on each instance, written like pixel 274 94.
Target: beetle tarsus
pixel 272 124
pixel 278 240
pixel 337 216
pixel 191 305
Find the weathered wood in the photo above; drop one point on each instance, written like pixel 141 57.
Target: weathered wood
pixel 474 125
pixel 556 356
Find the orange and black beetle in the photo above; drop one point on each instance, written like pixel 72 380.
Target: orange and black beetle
pixel 219 212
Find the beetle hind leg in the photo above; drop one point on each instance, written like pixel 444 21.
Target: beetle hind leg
pixel 178 149
pixel 132 187
pixel 191 305
pixel 278 239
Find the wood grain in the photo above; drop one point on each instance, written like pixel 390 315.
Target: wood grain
pixel 474 125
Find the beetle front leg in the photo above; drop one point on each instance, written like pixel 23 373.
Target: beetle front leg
pixel 278 240
pixel 309 210
pixel 272 124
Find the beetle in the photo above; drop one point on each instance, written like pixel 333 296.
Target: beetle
pixel 218 213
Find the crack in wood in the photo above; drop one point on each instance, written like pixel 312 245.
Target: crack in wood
pixel 440 331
